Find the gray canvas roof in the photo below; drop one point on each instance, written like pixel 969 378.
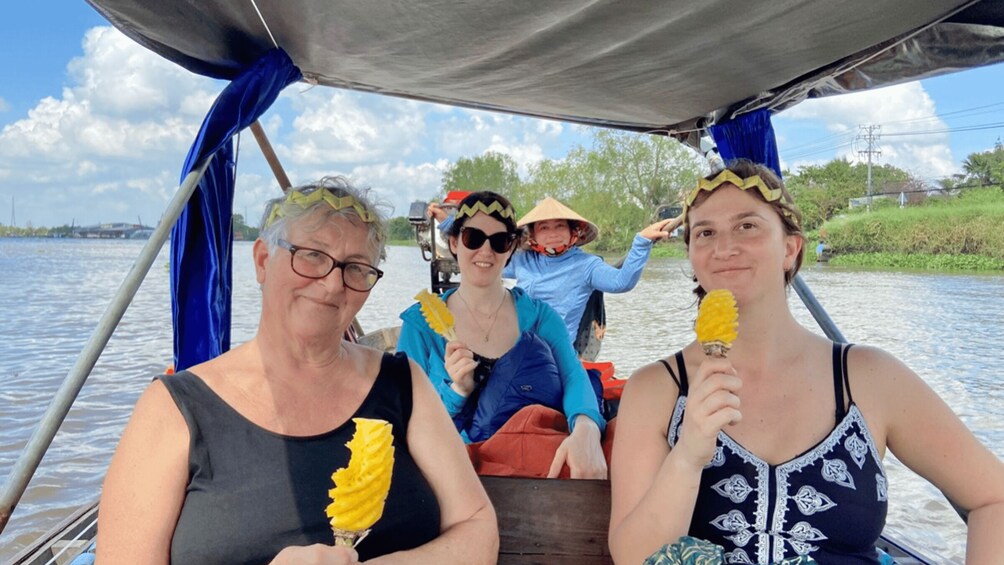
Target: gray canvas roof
pixel 637 64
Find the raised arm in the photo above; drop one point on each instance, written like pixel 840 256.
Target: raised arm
pixel 607 278
pixel 145 485
pixel 468 528
pixel 924 433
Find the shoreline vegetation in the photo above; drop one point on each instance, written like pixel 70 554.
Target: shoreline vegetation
pixel 623 181
pixel 952 233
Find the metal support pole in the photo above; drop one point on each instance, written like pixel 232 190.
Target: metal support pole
pixel 832 332
pixel 42 437
pixel 817 310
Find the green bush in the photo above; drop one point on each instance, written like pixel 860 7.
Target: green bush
pixel 920 261
pixel 968 225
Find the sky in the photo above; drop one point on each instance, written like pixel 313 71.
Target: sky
pixel 94 128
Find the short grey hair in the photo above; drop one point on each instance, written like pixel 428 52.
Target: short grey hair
pixel 282 212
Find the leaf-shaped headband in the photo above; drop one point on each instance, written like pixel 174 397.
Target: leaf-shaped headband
pixel 306 199
pixel 728 177
pixel 495 207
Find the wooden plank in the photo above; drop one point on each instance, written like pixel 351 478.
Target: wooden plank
pixel 545 520
pixel 507 559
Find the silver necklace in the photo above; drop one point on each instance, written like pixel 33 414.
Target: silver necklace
pixel 494 317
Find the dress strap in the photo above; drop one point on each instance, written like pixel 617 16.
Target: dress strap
pixel 681 381
pixel 840 381
pixel 843 366
pixel 671 373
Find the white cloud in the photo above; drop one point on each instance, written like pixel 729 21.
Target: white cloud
pixel 399 184
pixel 525 155
pixel 110 145
pixel 114 139
pixel 898 109
pixel 335 126
pixel 4 106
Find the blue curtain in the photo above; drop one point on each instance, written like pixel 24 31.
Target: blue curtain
pixel 202 238
pixel 749 135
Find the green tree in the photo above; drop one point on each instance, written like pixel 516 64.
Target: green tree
pixel 490 171
pixel 985 168
pixel 401 229
pixel 243 231
pixel 617 183
pixel 822 191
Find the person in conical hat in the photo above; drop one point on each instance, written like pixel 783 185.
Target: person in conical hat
pixel 556 270
pixel 554 214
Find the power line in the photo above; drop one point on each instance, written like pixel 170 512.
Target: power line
pixel 796 151
pixel 950 130
pixel 870 134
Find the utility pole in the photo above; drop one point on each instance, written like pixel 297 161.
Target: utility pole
pixel 870 134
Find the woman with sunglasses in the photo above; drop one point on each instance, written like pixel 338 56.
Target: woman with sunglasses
pixel 774 452
pixel 511 351
pixel 231 460
pixel 553 267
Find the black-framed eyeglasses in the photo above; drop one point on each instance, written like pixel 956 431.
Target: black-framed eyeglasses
pixel 316 264
pixel 473 239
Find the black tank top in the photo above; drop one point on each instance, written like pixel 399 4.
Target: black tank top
pixel 829 503
pixel 252 492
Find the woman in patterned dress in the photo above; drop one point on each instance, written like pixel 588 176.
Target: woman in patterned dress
pixel 776 451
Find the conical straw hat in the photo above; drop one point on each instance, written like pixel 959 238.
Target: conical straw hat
pixel 551 209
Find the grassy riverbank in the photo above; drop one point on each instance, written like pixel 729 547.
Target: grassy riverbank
pixel 960 233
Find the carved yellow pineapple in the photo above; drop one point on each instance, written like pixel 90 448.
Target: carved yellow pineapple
pixel 361 488
pixel 717 322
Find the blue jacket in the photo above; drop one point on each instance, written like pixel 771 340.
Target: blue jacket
pixel 427 348
pixel 527 374
pixel 566 281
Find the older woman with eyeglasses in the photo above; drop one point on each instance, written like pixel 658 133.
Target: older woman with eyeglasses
pixel 512 351
pixel 231 460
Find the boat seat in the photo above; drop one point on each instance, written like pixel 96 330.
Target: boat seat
pixel 551 522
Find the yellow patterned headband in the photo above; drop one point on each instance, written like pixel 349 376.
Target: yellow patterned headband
pixel 305 200
pixel 495 207
pixel 728 177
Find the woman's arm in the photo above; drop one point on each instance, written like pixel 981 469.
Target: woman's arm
pixel 145 485
pixel 924 433
pixel 608 278
pixel 579 398
pixel 654 488
pixel 468 530
pixel 420 345
pixel 581 450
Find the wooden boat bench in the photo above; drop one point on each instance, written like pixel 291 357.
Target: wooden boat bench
pixel 551 522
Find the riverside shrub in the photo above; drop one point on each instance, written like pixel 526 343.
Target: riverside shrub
pixel 966 225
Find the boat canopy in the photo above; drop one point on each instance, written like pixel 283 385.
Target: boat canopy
pixel 639 65
pixel 680 68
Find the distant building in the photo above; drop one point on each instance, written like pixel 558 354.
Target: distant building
pixel 863 201
pixel 113 231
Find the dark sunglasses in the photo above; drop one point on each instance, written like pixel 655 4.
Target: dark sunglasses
pixel 474 238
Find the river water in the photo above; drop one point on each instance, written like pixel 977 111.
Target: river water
pixel 52 292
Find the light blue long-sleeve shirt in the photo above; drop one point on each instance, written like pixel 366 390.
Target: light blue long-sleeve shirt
pixel 427 348
pixel 566 281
